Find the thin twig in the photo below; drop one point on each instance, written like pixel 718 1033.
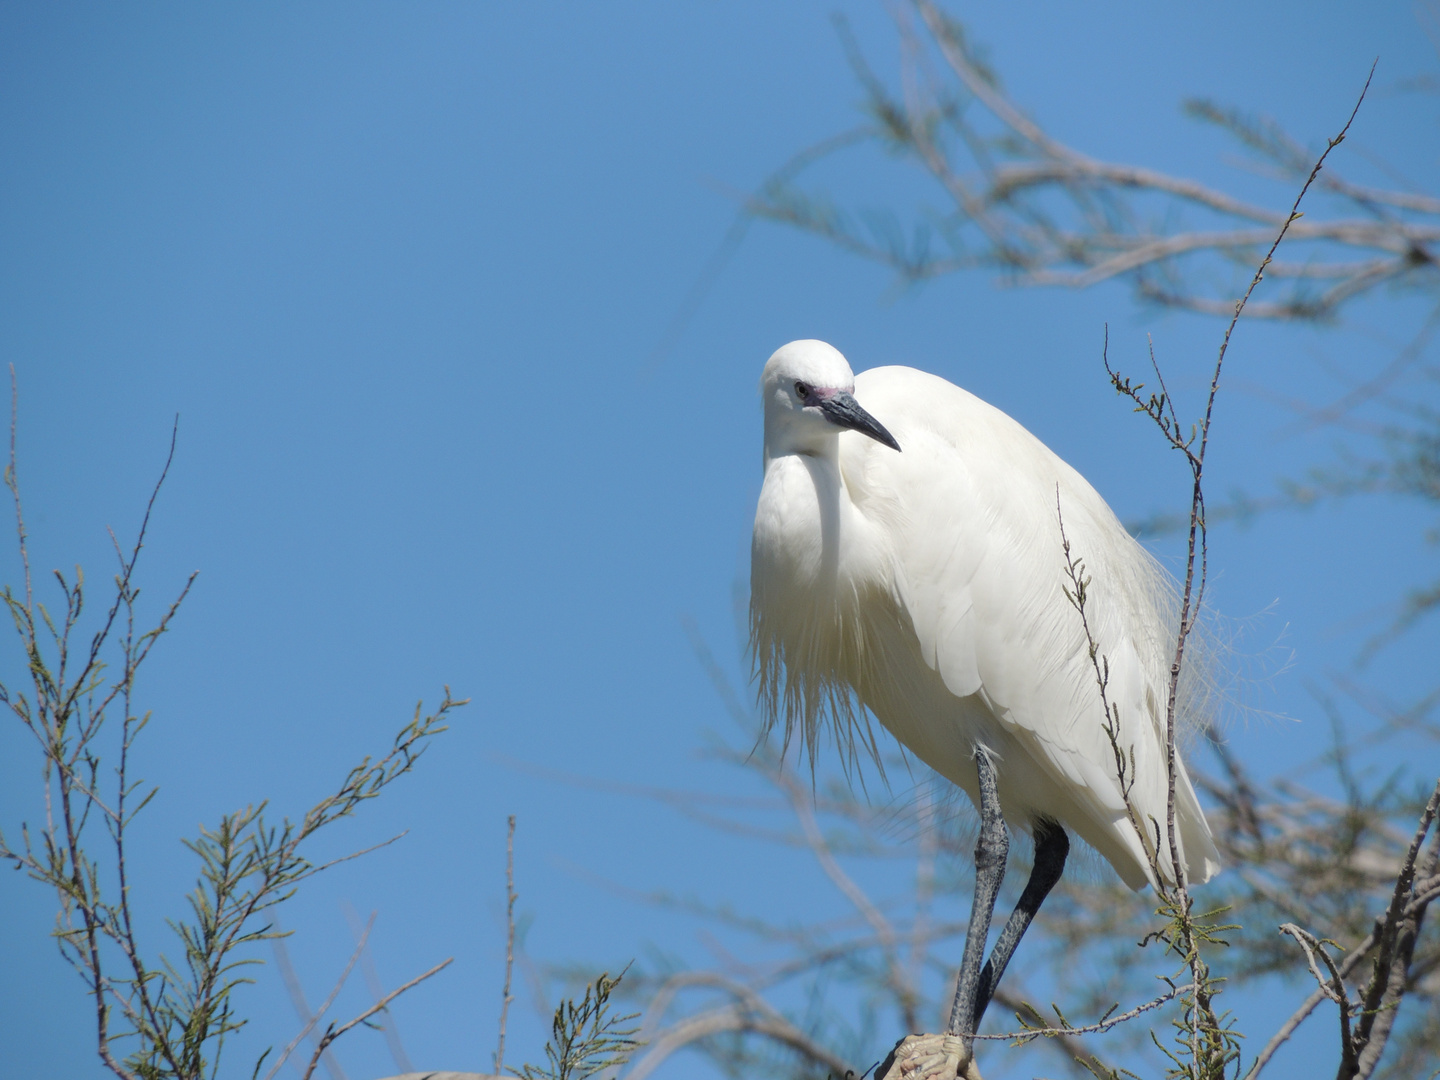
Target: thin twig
pixel 353 855
pixel 12 481
pixel 1031 1034
pixel 319 1014
pixel 377 991
pixel 510 898
pixel 334 1033
pixel 884 931
pixel 750 1013
pixel 1333 988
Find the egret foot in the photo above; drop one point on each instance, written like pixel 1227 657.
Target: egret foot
pixel 929 1057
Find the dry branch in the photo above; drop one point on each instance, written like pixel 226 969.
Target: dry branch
pixel 332 1032
pixel 1025 203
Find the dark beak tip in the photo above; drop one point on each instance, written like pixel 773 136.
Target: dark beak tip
pixel 844 411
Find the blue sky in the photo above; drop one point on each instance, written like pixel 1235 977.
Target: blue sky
pixel 400 270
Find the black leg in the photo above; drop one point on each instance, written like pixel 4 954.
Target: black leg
pixel 1051 847
pixel 991 850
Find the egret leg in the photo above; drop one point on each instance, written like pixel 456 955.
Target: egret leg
pixel 950 1056
pixel 1051 848
pixel 991 850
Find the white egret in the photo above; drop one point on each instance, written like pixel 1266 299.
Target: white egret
pixel 907 561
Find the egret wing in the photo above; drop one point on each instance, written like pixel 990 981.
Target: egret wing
pixel 974 505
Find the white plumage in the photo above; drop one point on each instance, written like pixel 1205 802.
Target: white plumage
pixel 927 585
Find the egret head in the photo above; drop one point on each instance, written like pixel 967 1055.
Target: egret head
pixel 808 391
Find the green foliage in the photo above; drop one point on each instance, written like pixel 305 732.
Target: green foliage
pixel 170 1016
pixel 586 1037
pixel 1205 1043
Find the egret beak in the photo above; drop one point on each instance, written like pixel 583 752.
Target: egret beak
pixel 844 411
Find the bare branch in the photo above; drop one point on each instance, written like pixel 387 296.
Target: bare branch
pixel 510 897
pixel 1395 943
pixel 333 1033
pixel 377 991
pixel 750 1014
pixel 1047 1031
pixel 319 1014
pixel 1049 215
pixel 1413 909
pixel 1332 987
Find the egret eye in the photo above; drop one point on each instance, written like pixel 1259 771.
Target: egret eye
pixel 802 390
